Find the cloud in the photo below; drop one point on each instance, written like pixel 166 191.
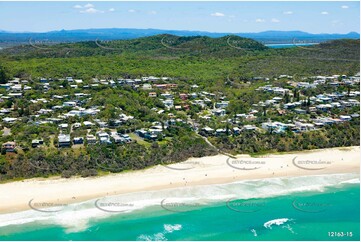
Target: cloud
pixel 131 11
pixel 152 12
pixel 217 14
pixel 91 11
pixel 274 20
pixel 260 20
pixel 111 9
pixel 89 5
pixel 324 13
pixel 90 8
pixel 344 6
pixel 288 12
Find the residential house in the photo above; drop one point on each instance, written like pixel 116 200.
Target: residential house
pixel 152 94
pixel 208 130
pixel 78 140
pixel 91 139
pixel 104 138
pixel 36 142
pixel 64 140
pixel 9 146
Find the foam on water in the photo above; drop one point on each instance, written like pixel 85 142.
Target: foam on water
pixel 279 221
pixel 161 236
pixel 76 217
pixel 351 181
pixel 254 232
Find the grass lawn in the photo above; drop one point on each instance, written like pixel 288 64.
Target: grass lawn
pixel 139 140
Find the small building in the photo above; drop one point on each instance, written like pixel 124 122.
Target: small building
pixel 69 104
pixel 126 138
pixel 208 130
pixel 152 94
pixel 300 111
pixel 36 142
pixel 64 140
pixel 104 138
pixel 304 126
pixel 90 139
pixel 183 96
pixel 78 141
pixel 345 117
pixel 236 131
pixel 219 112
pixel 63 126
pixel 249 127
pixel 222 105
pixel 9 146
pixel 9 120
pixel 221 132
pixel 76 125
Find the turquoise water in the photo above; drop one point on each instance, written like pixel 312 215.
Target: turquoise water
pixel 303 208
pixel 279 46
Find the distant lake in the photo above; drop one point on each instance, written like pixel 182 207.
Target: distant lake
pixel 278 46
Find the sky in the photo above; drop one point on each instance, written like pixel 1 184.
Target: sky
pixel 230 17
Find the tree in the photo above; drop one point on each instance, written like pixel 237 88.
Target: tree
pixel 287 98
pixel 3 77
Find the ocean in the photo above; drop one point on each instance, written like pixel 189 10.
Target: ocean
pixel 322 207
pixel 279 46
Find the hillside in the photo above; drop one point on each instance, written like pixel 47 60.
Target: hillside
pixel 196 57
pixel 158 45
pixel 16 38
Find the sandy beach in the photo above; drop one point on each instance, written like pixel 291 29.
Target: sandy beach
pixel 15 196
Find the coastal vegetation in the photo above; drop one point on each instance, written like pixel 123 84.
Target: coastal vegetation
pixel 230 69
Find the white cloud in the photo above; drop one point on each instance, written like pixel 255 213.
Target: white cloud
pixel 260 20
pixel 78 6
pixel 91 10
pixel 324 13
pixel 274 20
pixel 111 9
pixel 288 12
pixel 217 14
pixel 89 5
pixel 344 6
pixel 131 11
pixel 152 12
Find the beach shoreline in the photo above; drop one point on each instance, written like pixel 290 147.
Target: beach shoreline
pixel 219 169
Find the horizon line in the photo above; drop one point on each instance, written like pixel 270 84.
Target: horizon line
pixel 270 30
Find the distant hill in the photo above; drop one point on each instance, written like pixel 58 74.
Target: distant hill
pixel 267 37
pixel 157 45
